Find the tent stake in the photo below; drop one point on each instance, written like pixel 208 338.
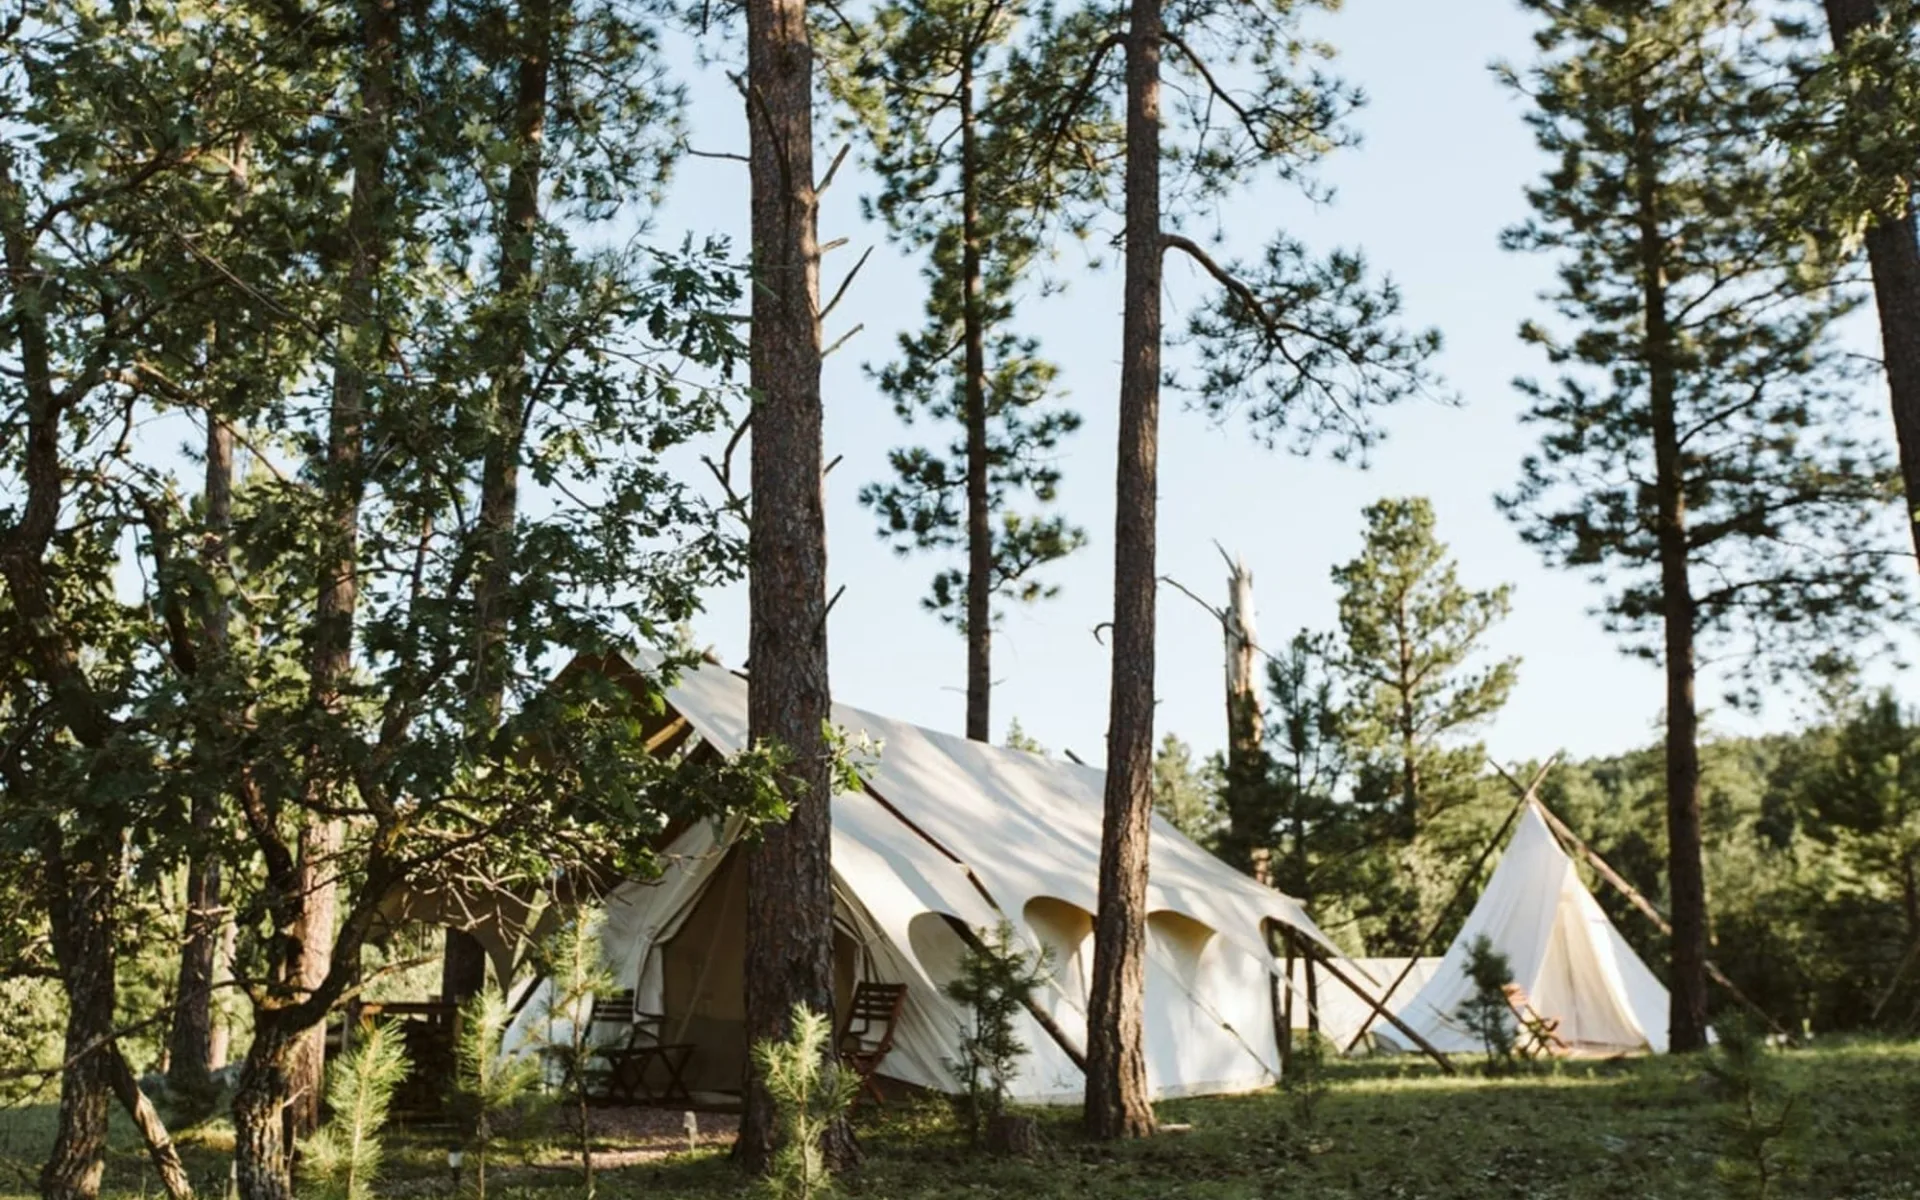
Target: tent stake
pixel 1439 922
pixel 1572 840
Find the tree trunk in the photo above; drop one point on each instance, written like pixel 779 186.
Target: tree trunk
pixel 1116 1088
pixel 1894 255
pixel 80 912
pixel 261 1152
pixel 1686 879
pixel 1249 815
pixel 153 1132
pixel 463 968
pixel 190 1044
pixel 1409 738
pixel 979 518
pixel 789 945
pixel 316 889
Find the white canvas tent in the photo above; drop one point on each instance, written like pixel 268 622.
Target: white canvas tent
pixel 1573 964
pixel 1341 1009
pixel 947 830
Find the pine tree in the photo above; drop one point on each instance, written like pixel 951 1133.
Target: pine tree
pixel 577 972
pixel 1697 444
pixel 1307 741
pixel 1852 129
pixel 946 108
pixel 1185 792
pixel 1306 347
pixel 1410 632
pixel 343 1159
pixel 488 1084
pixel 789 944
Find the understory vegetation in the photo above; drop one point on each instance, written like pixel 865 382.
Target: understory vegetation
pixel 1385 1128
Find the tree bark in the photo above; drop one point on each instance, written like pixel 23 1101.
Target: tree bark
pixel 1686 879
pixel 153 1132
pixel 1249 813
pixel 1116 1088
pixel 1893 253
pixel 261 1152
pixel 979 516
pixel 463 967
pixel 190 1044
pixel 789 943
pixel 79 911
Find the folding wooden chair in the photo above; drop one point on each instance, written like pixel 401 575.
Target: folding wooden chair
pixel 1537 1034
pixel 631 1062
pixel 867 1035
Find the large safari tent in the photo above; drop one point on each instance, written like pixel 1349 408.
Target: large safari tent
pixel 949 837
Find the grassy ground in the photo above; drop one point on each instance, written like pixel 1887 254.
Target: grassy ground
pixel 1646 1128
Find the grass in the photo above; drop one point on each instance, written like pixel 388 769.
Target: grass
pixel 1392 1129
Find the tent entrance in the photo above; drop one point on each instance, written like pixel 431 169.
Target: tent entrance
pixel 703 983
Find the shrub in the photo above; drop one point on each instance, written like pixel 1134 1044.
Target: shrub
pixel 1487 1012
pixel 996 980
pixel 487 1085
pixel 810 1093
pixel 342 1160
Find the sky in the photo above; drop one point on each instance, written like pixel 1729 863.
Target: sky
pixel 1444 158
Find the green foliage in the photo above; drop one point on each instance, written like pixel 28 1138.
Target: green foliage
pixel 577 971
pixel 1306 1081
pixel 1696 339
pixel 343 1160
pixel 488 1085
pixel 1187 793
pixel 1020 739
pixel 946 105
pixel 996 980
pixel 1411 631
pixel 810 1091
pixel 1759 1117
pixel 1487 1012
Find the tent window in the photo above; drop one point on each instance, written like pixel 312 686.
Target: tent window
pixel 1066 930
pixel 938 948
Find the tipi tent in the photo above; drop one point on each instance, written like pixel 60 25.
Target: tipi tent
pixel 946 833
pixel 1573 964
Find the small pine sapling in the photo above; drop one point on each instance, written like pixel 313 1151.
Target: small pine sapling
pixel 1305 1082
pixel 1759 1114
pixel 997 979
pixel 1488 1013
pixel 810 1093
pixel 487 1083
pixel 577 971
pixel 342 1160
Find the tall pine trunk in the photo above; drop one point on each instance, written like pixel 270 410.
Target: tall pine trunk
pixel 979 518
pixel 789 945
pixel 282 1082
pixel 190 1042
pixel 1893 253
pixel 463 967
pixel 1116 1092
pixel 1686 879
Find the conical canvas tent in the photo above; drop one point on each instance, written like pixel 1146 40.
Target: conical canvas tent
pixel 1572 963
pixel 948 836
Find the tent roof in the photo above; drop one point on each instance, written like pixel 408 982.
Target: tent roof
pixel 940 808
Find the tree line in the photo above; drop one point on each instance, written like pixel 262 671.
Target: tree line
pixel 373 261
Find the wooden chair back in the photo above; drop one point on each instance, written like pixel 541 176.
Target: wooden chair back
pixel 871 1016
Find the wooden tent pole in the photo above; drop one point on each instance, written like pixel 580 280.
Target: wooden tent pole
pixel 1281 991
pixel 1315 951
pixel 1571 840
pixel 1439 922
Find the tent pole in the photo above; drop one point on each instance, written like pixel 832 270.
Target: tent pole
pixel 1439 922
pixel 1315 951
pixel 1283 1027
pixel 1572 840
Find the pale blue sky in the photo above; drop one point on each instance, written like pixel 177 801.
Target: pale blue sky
pixel 1440 172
